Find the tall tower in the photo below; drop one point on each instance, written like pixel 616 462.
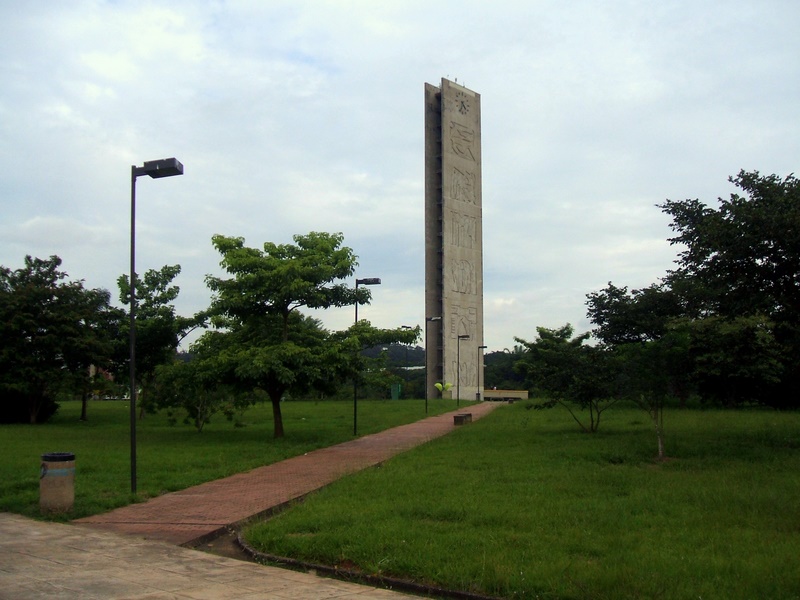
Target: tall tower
pixel 453 240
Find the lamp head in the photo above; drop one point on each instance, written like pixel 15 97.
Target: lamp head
pixel 165 167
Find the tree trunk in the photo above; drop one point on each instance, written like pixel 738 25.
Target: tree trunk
pixel 276 415
pixel 660 444
pixel 34 405
pixel 657 415
pixel 84 402
pixel 654 407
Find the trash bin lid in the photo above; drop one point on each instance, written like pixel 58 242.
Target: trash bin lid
pixel 58 456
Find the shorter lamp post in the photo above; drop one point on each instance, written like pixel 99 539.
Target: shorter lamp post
pixel 427 320
pixel 480 368
pixel 458 362
pixel 405 366
pixel 365 281
pixel 165 167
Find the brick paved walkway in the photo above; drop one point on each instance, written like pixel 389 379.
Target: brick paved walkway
pixel 206 510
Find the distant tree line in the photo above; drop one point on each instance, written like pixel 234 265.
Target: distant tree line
pixel 721 328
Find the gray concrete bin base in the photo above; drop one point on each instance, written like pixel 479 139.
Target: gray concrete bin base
pixel 57 482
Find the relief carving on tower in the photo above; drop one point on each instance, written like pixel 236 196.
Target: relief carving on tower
pixel 464 321
pixel 462 277
pixel 462 141
pixel 462 186
pixel 462 230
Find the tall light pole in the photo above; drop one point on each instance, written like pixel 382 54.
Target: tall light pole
pixel 165 167
pixel 480 368
pixel 458 361
pixel 365 281
pixel 427 320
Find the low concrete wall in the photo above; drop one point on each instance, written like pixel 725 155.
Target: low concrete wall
pixel 505 394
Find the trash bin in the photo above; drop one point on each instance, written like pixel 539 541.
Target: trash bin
pixel 57 482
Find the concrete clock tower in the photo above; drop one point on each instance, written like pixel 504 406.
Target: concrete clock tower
pixel 453 240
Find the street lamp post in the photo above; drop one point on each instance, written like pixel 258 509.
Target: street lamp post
pixel 405 366
pixel 165 167
pixel 427 320
pixel 365 281
pixel 480 368
pixel 458 362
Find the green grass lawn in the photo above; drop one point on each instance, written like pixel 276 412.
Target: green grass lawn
pixel 522 505
pixel 170 458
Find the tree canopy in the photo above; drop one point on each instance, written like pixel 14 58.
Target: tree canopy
pixel 734 295
pixel 567 371
pixel 159 329
pixel 262 340
pixel 745 254
pixel 51 331
pixel 284 277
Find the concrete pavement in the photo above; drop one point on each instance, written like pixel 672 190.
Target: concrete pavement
pixel 55 561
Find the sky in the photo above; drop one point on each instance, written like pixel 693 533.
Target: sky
pixel 297 116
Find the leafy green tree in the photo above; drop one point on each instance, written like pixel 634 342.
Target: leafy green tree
pixel 255 355
pixel 738 360
pixel 262 340
pixel 735 294
pixel 623 317
pixel 159 329
pixel 282 278
pixel 632 325
pixel 742 259
pixel 195 387
pixel 651 372
pixel 747 251
pixel 51 331
pixel 370 370
pixel 570 373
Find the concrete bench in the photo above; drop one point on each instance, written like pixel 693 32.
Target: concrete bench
pixel 462 419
